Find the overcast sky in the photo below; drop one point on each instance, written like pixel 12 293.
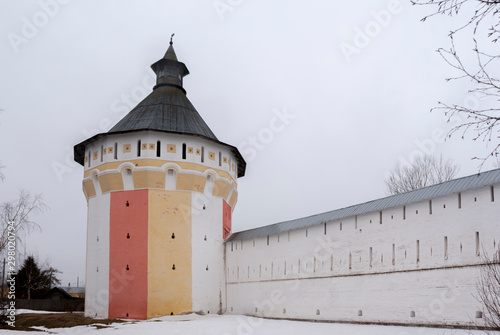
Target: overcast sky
pixel 322 98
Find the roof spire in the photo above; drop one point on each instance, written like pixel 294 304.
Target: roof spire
pixel 171 36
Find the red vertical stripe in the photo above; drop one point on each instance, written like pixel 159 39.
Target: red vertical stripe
pixel 128 258
pixel 226 219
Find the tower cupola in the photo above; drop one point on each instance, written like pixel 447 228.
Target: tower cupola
pixel 169 71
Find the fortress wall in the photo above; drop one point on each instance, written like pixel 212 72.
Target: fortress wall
pixel 417 263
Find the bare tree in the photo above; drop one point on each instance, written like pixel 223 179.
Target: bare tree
pixel 483 123
pixel 488 290
pixel 2 176
pixel 424 171
pixel 18 214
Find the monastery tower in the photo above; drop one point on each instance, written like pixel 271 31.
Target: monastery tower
pixel 160 189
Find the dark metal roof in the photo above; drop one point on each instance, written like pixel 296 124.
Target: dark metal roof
pixel 425 193
pixel 166 109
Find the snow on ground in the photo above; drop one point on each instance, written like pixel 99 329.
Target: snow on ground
pixel 240 325
pixel 32 311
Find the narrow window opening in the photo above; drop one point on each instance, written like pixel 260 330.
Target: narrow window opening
pixel 492 192
pixel 139 148
pixel 89 160
pixel 127 267
pixel 115 151
pixel 231 246
pixel 340 226
pixel 459 200
pixel 355 222
pixel 102 153
pixel 350 261
pixel 324 228
pixel 475 199
pixel 380 217
pixel 418 251
pixel 412 314
pixel 220 158
pixel 127 204
pixel 371 256
pixel 184 150
pixel 393 254
pixel 416 212
pixel 267 239
pixel 173 267
pixel 158 148
pixel 404 212
pixel 128 235
pixel 430 207
pixel 202 154
pixel 173 235
pixel 446 247
pixel 478 253
pixel 444 205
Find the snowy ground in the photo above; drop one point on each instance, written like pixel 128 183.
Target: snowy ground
pixel 240 325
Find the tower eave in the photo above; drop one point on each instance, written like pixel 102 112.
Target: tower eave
pixel 79 149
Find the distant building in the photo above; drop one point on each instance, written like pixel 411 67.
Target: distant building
pixel 161 189
pixel 75 292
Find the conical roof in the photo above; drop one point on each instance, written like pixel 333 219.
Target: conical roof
pixel 166 109
pixel 170 54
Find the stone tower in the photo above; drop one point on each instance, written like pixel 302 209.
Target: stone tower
pixel 160 190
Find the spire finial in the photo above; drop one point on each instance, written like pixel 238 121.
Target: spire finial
pixel 171 36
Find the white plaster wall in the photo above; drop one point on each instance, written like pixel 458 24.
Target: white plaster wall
pixel 387 288
pixel 165 138
pixel 97 282
pixel 208 289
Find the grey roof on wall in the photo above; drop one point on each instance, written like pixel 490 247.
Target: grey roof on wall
pixel 425 193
